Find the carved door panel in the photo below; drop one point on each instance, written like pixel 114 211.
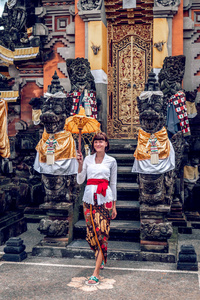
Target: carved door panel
pixel 129 68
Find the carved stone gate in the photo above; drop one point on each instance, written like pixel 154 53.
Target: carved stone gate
pixel 128 66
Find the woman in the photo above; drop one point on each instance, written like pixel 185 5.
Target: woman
pixel 99 199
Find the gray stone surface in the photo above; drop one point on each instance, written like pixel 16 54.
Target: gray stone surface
pixel 30 238
pixel 49 278
pixel 46 278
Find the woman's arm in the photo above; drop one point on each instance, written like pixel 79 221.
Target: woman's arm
pixel 114 211
pixel 113 179
pixel 113 186
pixel 82 168
pixel 79 157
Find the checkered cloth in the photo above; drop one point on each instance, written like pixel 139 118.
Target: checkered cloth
pixel 92 99
pixel 179 102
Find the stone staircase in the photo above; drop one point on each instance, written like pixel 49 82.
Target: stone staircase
pixel 125 229
pixel 124 241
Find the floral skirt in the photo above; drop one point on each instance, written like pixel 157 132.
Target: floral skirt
pixel 97 219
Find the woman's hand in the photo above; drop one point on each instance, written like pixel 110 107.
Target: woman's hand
pixel 114 211
pixel 79 158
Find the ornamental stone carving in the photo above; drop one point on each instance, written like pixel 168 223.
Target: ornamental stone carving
pixel 156 231
pixel 80 74
pixel 171 75
pixel 167 3
pixel 54 228
pixel 59 181
pixel 89 4
pixel 155 192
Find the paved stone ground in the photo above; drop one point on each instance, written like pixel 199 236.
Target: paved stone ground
pixel 41 278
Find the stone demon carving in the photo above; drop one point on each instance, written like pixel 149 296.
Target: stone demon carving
pixel 170 79
pixel 154 161
pixel 56 160
pixel 83 91
pixel 171 75
pixel 155 231
pixel 80 74
pixel 89 4
pixel 167 2
pixel 5 84
pixel 16 17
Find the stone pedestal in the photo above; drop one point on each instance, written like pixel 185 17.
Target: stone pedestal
pixel 14 250
pixel 187 258
pixel 155 228
pixel 176 215
pixel 58 225
pixel 58 230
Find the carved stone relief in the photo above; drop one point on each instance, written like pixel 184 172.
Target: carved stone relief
pixel 80 74
pixel 153 231
pixel 167 2
pixel 89 4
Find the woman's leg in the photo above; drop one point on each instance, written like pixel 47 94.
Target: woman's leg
pixel 97 267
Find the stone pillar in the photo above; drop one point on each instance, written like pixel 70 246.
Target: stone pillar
pixel 61 195
pixel 163 31
pixel 155 228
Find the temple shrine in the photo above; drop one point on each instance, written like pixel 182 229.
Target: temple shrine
pixel 113 58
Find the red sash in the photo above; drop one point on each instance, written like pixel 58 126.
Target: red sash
pixel 102 185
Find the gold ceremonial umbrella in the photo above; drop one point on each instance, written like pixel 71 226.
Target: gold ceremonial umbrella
pixel 80 123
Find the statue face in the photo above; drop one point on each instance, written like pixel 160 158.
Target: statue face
pixel 80 74
pixel 53 115
pixel 173 69
pixel 151 108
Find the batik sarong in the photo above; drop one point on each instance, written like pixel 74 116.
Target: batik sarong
pixel 97 219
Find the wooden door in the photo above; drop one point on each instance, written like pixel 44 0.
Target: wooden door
pixel 129 66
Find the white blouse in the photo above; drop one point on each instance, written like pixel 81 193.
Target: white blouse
pixel 106 170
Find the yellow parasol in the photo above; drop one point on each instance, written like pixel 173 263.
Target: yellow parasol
pixel 80 123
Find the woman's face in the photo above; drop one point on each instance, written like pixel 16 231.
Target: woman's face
pixel 100 145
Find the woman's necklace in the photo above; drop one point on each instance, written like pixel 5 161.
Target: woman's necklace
pixel 98 160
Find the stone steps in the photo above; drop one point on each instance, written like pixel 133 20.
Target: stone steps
pixel 123 159
pixel 127 186
pixel 125 146
pixel 126 210
pixel 119 250
pixel 120 230
pixel 125 229
pixel 124 174
pixel 127 191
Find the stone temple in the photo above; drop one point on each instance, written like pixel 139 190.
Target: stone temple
pixel 135 67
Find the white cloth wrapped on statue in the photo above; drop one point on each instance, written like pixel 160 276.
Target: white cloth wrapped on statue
pixel 65 162
pixel 191 174
pixel 60 167
pixel 166 155
pixel 191 109
pixel 36 113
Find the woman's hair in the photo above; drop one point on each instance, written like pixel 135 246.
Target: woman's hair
pixel 103 137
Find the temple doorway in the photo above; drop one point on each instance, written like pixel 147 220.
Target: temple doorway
pixel 130 34
pixel 129 66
